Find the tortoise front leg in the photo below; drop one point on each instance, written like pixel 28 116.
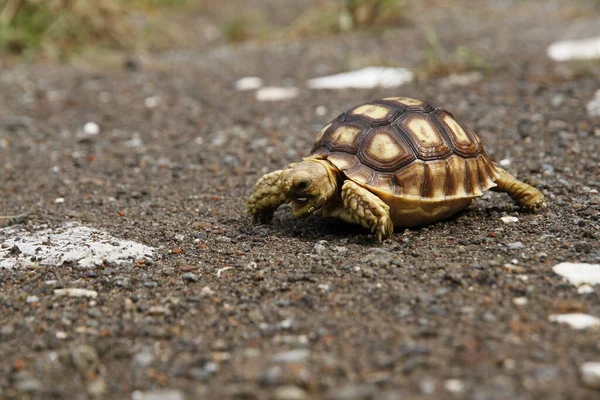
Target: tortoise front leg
pixel 367 209
pixel 267 196
pixel 525 195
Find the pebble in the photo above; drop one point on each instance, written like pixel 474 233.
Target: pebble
pixel 593 107
pixel 465 79
pixel 249 83
pixel 579 273
pixel 576 320
pixel 276 93
pixel 579 49
pixel 91 129
pixel 519 301
pixel 189 277
pixel 76 292
pixel 85 358
pixel 59 200
pixel 590 374
pixel 162 394
pixel 143 358
pixel 505 162
pixel 454 385
pixel 365 78
pixel 152 102
pixel 355 391
pixel 32 299
pixel 509 220
pixel 320 247
pixel 24 382
pixel 292 356
pixel 289 392
pixel 321 111
pixel 515 245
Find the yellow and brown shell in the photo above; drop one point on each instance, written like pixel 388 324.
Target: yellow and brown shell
pixel 407 148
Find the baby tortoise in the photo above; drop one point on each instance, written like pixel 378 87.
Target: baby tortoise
pixel 396 162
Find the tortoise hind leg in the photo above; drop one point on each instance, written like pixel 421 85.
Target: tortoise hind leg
pixel 524 195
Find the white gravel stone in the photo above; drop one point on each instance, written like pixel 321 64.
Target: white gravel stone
pixel 509 220
pixel 579 273
pixel 292 356
pixel 162 394
pixel 91 128
pixel 321 110
pixel 585 289
pixel 593 107
pixel 249 83
pixel 276 93
pixel 505 162
pixel 76 292
pixel 465 79
pixel 152 102
pixel 454 385
pixel 32 299
pixel 581 49
pixel 59 200
pixel 366 78
pixel 590 374
pixel 576 320
pixel 520 301
pixel 79 245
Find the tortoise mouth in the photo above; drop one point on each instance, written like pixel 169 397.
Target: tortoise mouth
pixel 301 206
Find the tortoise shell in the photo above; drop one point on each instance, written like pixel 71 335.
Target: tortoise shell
pixel 408 148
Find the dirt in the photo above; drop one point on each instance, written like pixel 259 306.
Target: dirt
pixel 299 308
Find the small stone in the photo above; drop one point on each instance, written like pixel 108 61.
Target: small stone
pixel 32 299
pixel 97 387
pixel 152 102
pixel 85 358
pixel 249 83
pixel 576 320
pixel 320 247
pixel 76 292
pixel 519 301
pixel 557 100
pixel 509 220
pixel 354 392
pixel 91 129
pixel 162 394
pixel 454 385
pixel 25 383
pixel 590 374
pixel 150 284
pixel 579 273
pixel 157 310
pixel 289 392
pixel 585 289
pixel 143 358
pixel 292 356
pixel 505 162
pixel 189 277
pixel 515 245
pixel 59 200
pixel 276 93
pixel 321 111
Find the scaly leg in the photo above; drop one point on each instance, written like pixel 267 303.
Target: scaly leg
pixel 525 195
pixel 367 209
pixel 267 195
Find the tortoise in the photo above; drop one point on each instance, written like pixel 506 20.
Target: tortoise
pixel 395 162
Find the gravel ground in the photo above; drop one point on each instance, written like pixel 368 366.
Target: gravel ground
pixel 309 308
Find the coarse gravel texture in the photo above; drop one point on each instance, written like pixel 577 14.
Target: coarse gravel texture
pixel 300 308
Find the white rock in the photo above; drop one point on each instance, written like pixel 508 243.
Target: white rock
pixel 505 162
pixel 161 394
pixel 454 385
pixel 276 93
pixel 91 129
pixel 579 273
pixel 520 301
pixel 59 200
pixel 576 320
pixel 590 374
pixel 509 220
pixel 321 110
pixel 292 356
pixel 465 79
pixel 79 245
pixel 76 292
pixel 366 78
pixel 249 83
pixel 152 102
pixel 585 289
pixel 32 299
pixel 593 107
pixel 582 49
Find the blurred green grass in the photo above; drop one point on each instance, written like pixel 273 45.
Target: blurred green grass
pixel 61 28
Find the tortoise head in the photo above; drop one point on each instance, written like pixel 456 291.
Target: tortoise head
pixel 309 185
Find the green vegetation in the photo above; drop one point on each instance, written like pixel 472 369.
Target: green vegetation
pixel 441 62
pixel 59 28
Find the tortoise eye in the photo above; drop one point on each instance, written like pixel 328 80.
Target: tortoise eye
pixel 303 185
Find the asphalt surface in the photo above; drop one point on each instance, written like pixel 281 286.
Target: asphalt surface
pixel 299 308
